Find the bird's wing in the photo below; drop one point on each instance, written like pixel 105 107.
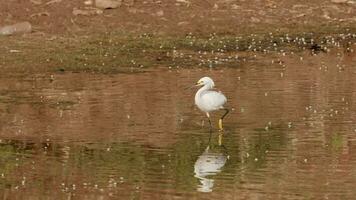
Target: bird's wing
pixel 214 99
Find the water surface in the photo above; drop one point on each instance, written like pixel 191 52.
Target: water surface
pixel 291 133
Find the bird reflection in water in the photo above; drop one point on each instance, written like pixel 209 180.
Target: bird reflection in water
pixel 210 163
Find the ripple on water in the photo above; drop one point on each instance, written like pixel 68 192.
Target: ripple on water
pixel 140 136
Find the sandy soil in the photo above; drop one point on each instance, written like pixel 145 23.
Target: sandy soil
pixel 179 16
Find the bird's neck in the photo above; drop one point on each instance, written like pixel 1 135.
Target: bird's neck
pixel 202 89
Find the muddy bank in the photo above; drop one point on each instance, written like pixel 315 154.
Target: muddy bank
pixel 80 36
pixel 178 17
pixel 116 52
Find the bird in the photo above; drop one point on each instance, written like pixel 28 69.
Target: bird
pixel 208 100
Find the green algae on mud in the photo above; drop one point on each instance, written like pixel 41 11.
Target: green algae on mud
pixel 120 53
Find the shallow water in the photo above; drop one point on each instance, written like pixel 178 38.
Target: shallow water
pixel 291 133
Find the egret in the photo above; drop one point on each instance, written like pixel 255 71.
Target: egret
pixel 208 100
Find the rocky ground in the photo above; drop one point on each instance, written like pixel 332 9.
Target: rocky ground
pixel 177 16
pixel 83 25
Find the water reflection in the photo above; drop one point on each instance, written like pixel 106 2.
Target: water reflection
pixel 209 164
pixel 288 137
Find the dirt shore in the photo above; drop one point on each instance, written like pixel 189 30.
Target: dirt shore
pixel 75 35
pixel 179 17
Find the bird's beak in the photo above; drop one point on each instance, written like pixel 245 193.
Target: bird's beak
pixel 198 83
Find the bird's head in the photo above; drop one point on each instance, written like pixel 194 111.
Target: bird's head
pixel 205 81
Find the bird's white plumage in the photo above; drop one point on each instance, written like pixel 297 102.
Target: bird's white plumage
pixel 212 101
pixel 206 99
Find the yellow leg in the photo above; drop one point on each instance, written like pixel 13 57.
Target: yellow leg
pixel 221 125
pixel 207 114
pixel 220 139
pixel 221 119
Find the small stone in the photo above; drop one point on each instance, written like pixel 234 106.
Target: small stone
pixel 107 4
pixel 339 1
pixel 23 27
pixel 14 51
pixel 40 14
pixel 87 12
pixel 183 23
pixel 53 1
pixel 183 1
pixel 159 13
pixel 88 2
pixel 36 2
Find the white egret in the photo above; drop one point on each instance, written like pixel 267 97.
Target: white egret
pixel 208 100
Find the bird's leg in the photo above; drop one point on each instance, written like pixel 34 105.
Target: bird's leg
pixel 220 139
pixel 220 125
pixel 221 119
pixel 207 114
pixel 210 133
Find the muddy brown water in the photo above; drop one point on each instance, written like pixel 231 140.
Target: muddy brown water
pixel 291 133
